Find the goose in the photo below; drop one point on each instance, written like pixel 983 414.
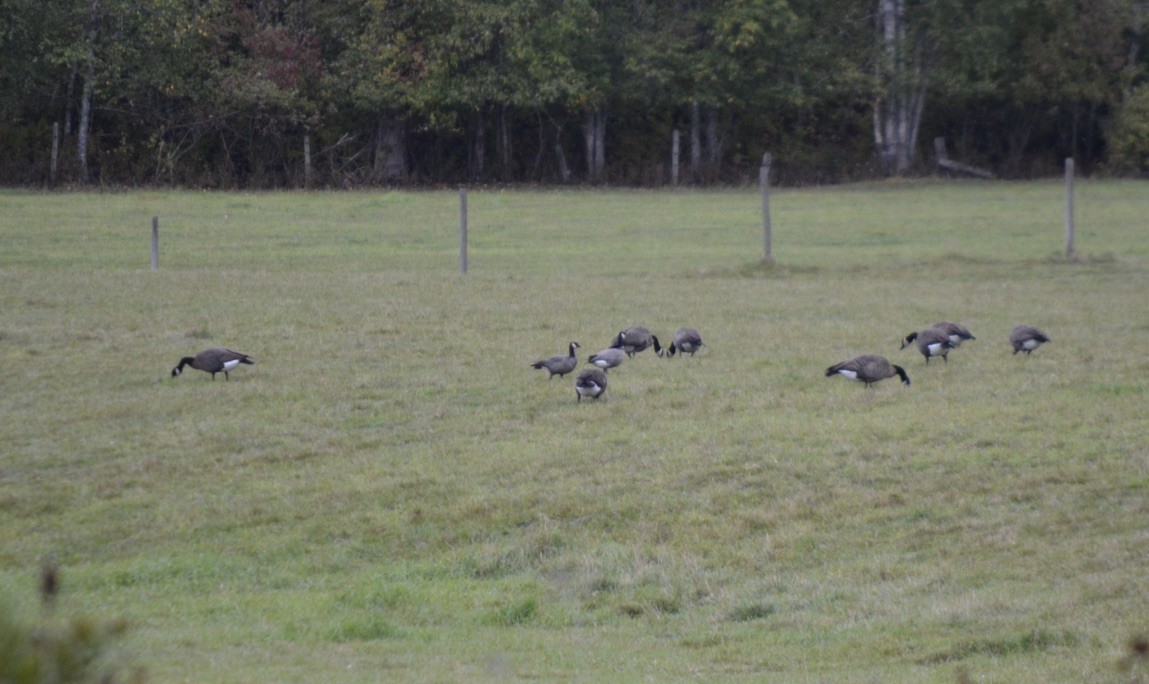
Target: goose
pixel 608 358
pixel 868 368
pixel 957 332
pixel 636 339
pixel 687 341
pixel 215 360
pixel 930 342
pixel 590 383
pixel 559 365
pixel 1026 338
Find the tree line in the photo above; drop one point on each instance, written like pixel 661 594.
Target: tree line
pixel 347 93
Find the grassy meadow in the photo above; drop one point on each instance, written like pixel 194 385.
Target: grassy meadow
pixel 391 493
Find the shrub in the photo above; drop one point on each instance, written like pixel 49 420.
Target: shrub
pixel 77 651
pixel 1129 140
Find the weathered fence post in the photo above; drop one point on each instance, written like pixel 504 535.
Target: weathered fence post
pixel 307 161
pixel 463 231
pixel 674 147
pixel 764 188
pixel 1069 208
pixel 155 242
pixel 55 152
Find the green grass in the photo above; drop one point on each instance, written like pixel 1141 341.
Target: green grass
pixel 392 493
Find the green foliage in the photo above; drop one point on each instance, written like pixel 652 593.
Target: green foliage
pixel 77 651
pixel 1129 141
pixel 217 93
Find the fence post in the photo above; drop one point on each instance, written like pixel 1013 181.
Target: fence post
pixel 463 231
pixel 764 188
pixel 155 242
pixel 1069 208
pixel 674 147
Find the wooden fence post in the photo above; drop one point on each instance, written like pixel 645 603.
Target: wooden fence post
pixel 764 188
pixel 1069 208
pixel 674 147
pixel 463 231
pixel 155 242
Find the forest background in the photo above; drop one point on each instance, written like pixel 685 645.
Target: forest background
pixel 352 93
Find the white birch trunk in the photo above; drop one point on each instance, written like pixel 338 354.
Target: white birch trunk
pixel 594 132
pixel 902 78
pixel 85 125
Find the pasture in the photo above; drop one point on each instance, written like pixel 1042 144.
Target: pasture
pixel 391 492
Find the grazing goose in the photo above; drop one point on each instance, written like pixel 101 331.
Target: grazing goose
pixel 608 358
pixel 957 332
pixel 868 368
pixel 559 365
pixel 590 383
pixel 687 341
pixel 636 339
pixel 215 360
pixel 1026 338
pixel 931 342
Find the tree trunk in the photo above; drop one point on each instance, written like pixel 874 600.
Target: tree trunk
pixel 1017 140
pixel 713 142
pixel 86 97
pixel 85 121
pixel 588 129
pixel 1075 118
pixel 504 145
pixel 68 104
pixel 542 146
pixel 600 146
pixel 594 131
pixel 695 142
pixel 902 76
pixel 390 149
pixel 560 156
pixel 479 149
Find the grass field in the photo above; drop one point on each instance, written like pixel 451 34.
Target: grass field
pixel 391 492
